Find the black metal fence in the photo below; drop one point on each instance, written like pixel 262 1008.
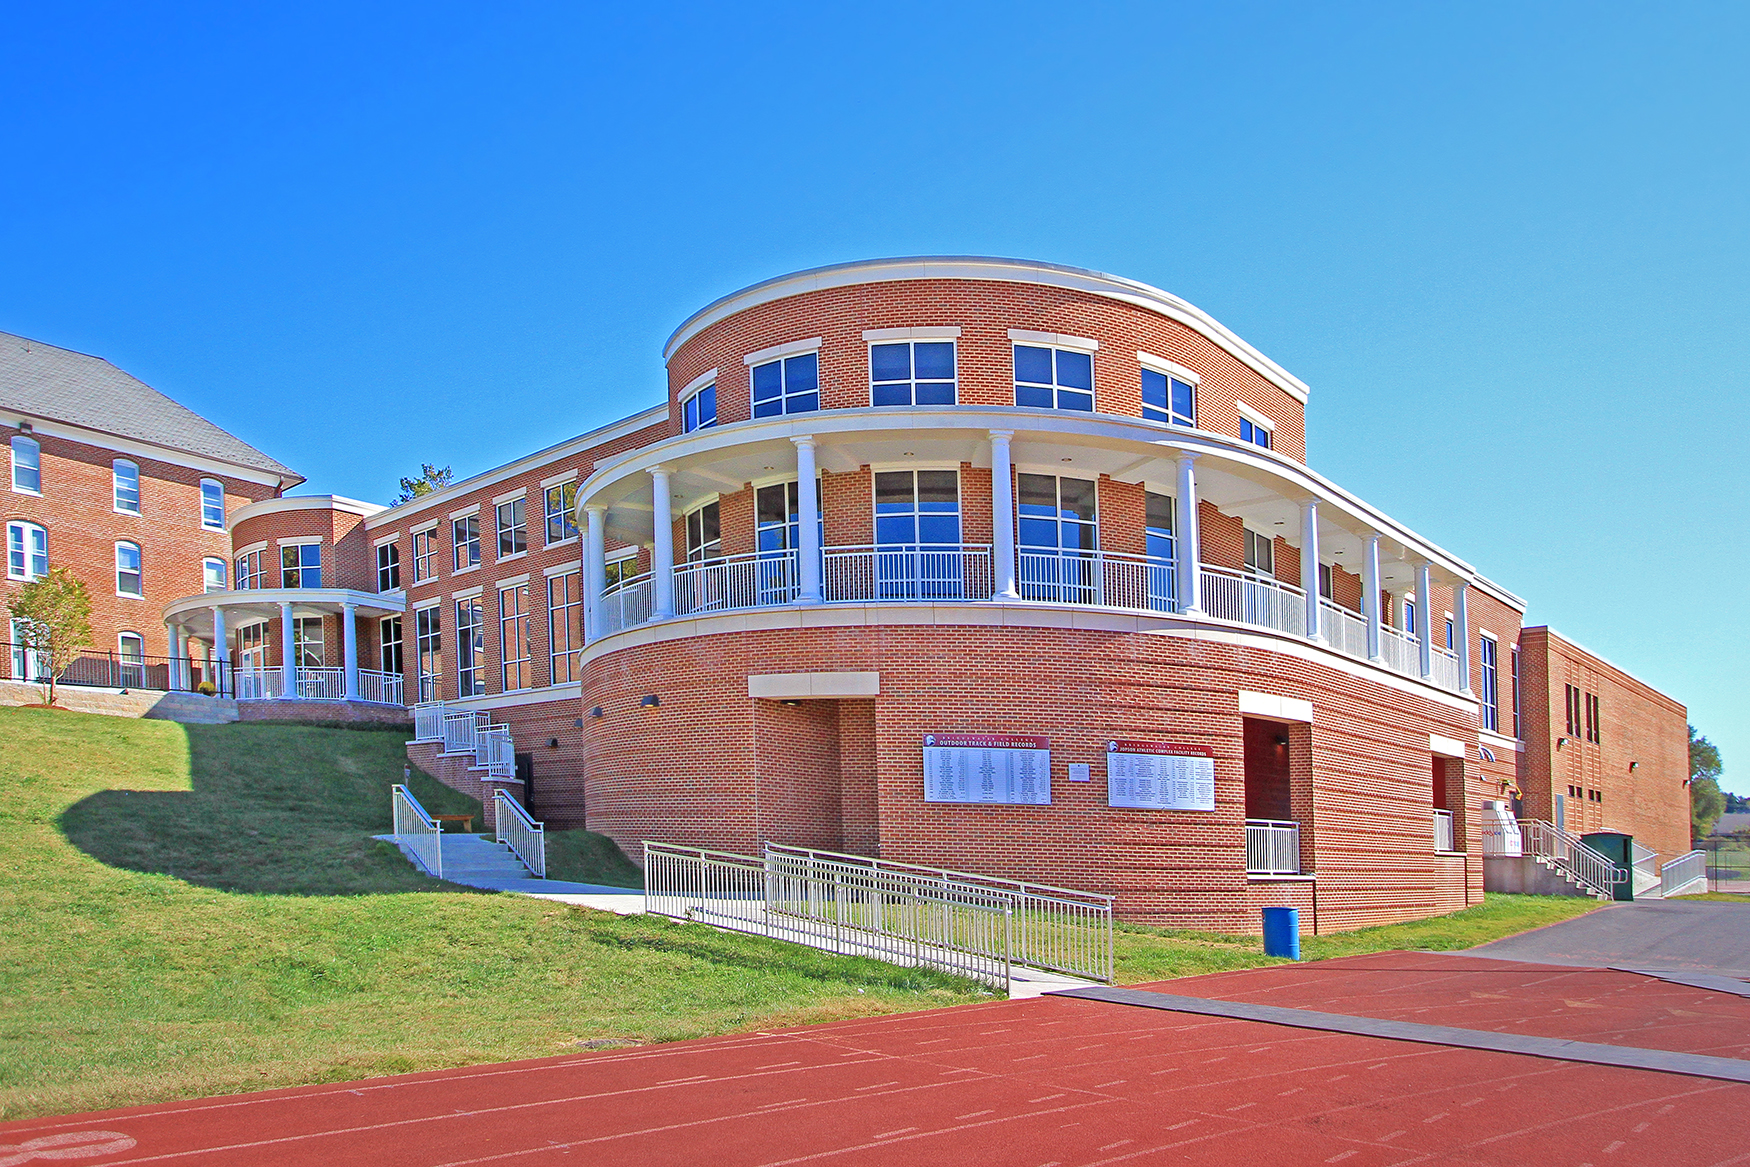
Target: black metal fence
pixel 1728 862
pixel 114 670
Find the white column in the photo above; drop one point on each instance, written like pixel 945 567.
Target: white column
pixel 1424 622
pixel 221 646
pixel 1002 517
pixel 1370 596
pixel 662 549
pixel 288 661
pixel 170 656
pixel 349 639
pixel 808 520
pixel 1461 632
pixel 595 570
pixel 1186 538
pixel 1309 567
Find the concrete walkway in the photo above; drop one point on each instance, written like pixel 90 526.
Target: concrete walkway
pixel 478 861
pixel 1700 936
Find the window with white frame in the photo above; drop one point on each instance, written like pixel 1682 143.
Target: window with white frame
pixel 125 476
pixel 1054 378
pixel 1255 428
pixel 1057 514
pixel 1327 588
pixel 389 644
pixel 1260 553
pixel 564 626
pixel 1409 609
pixel 911 372
pixel 513 528
pixel 251 571
pixel 470 647
pixel 212 504
pixel 213 573
pixel 465 541
pixel 301 565
pixel 561 505
pixel 27 465
pixel 308 649
pixel 252 647
pixel 131 651
pixel 624 566
pixel 914 507
pixel 428 645
pixel 515 658
pixel 128 578
pixel 1162 547
pixel 699 409
pixel 1491 694
pixel 1517 732
pixel 1168 398
pixel 786 385
pixel 1449 641
pixel 27 551
pixel 425 549
pixel 388 567
pixel 705 533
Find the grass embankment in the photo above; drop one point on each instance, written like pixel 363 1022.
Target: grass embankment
pixel 198 910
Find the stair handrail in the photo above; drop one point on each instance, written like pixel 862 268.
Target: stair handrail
pixel 1588 866
pixel 526 838
pixel 417 831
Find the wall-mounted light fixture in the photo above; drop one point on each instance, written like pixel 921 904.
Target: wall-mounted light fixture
pixel 649 701
pixel 596 712
pixel 552 743
pixel 791 703
pixel 1560 742
pixel 24 427
pixel 1634 766
pixel 578 721
pixel 1281 739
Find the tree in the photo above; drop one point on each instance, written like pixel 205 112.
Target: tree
pixel 430 478
pixel 54 620
pixel 1706 803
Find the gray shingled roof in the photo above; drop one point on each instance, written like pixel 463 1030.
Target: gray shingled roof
pixel 57 384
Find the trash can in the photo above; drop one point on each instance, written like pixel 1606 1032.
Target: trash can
pixel 1282 932
pixel 1619 849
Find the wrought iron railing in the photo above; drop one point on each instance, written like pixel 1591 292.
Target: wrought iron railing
pixel 520 833
pixel 114 670
pixel 417 831
pixel 1272 847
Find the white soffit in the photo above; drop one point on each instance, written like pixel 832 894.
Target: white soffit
pixel 1274 707
pixel 794 686
pixel 1446 747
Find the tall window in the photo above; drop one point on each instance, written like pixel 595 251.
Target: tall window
pixel 917 527
pixel 561 503
pixel 388 567
pixel 1162 550
pixel 1517 731
pixel 425 548
pixel 917 372
pixel 705 533
pixel 700 410
pixel 1054 378
pixel 777 536
pixel 213 572
pixel 307 646
pixel 1491 694
pixel 1409 616
pixel 1449 641
pixel 389 644
pixel 1165 398
pixel 1327 589
pixel 27 465
pixel 1057 536
pixel 790 385
pixel 428 645
pixel 251 573
pixel 301 565
pixel 212 504
pixel 1260 553
pixel 465 539
pixel 126 477
pixel 128 580
pixel 27 551
pixel 1594 719
pixel 564 626
pixel 131 648
pixel 1251 431
pixel 513 528
pixel 1573 708
pixel 252 647
pixel 625 567
pixel 514 655
pixel 470 647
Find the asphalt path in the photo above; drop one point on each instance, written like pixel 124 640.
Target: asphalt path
pixel 1688 935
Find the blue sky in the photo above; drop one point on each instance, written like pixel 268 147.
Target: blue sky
pixel 1505 244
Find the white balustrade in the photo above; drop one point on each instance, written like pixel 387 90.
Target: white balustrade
pixel 1400 650
pixel 258 684
pixel 459 730
pixel 428 721
pixel 1559 848
pixel 1272 847
pixel 417 831
pixel 522 834
pixel 1254 600
pixel 1443 830
pixel 1686 873
pixel 495 751
pixel 1346 631
pixel 626 605
pixel 1448 672
pixel 901 572
pixel 727 584
pixel 380 688
pixel 322 684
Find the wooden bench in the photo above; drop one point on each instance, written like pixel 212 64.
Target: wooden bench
pixel 467 821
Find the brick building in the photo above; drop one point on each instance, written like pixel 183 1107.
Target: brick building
pixel 980 563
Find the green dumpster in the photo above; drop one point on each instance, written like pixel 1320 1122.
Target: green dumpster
pixel 1619 849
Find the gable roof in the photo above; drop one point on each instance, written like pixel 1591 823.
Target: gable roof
pixel 56 384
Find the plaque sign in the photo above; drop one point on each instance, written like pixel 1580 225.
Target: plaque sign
pixel 987 767
pixel 1160 776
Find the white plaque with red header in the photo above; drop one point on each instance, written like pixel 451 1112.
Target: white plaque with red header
pixel 1160 776
pixel 987 767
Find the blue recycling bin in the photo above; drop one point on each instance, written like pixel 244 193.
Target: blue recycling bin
pixel 1282 932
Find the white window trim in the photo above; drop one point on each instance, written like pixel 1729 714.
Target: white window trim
pixel 427 605
pixel 1163 365
pixel 27 524
pixel 513 581
pixel 1055 340
pixel 1255 417
pixel 473 593
pixel 429 528
pixel 691 388
pixel 512 496
pixel 621 553
pixel 472 567
pixel 558 480
pixel 561 569
pixel 465 512
pixel 788 349
pixel 141 594
pixel 386 540
pixel 12 465
pixel 299 541
pixel 139 487
pixel 926 332
pixel 206 526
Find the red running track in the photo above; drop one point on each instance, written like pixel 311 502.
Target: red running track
pixel 1029 1084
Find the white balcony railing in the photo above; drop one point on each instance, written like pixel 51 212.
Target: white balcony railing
pixel 1443 830
pixel 428 721
pixel 1401 650
pixel 1272 847
pixel 1344 630
pixel 460 729
pixel 1108 579
pixel 1254 600
pixel 322 684
pixel 1447 674
pixel 253 684
pixel 763 580
pixel 626 605
pixel 919 572
pixel 494 750
pixel 380 688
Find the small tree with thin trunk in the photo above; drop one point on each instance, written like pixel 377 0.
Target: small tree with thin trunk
pixel 53 617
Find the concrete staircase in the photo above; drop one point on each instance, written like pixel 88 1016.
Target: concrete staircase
pixel 477 861
pixel 193 709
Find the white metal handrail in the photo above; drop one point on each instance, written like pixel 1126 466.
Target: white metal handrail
pixel 322 684
pixel 1559 848
pixel 920 572
pixel 1272 847
pixel 1252 599
pixel 494 750
pixel 428 721
pixel 417 831
pixel 1110 579
pixel 1680 874
pixel 1447 673
pixel 522 834
pixel 626 604
pixel 1055 928
pixel 259 684
pixel 733 582
pixel 380 688
pixel 1402 651
pixel 1443 838
pixel 1344 630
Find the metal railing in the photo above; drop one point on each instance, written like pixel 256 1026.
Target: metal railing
pixel 1447 673
pixel 460 729
pixel 1443 830
pixel 1344 630
pixel 626 604
pixel 113 670
pixel 256 684
pixel 959 929
pixel 1680 874
pixel 1555 847
pixel 1272 847
pixel 729 583
pixel 322 684
pixel 417 831
pixel 1644 867
pixel 494 750
pixel 380 688
pixel 1401 651
pixel 428 721
pixel 920 572
pixel 1252 599
pixel 1054 928
pixel 1109 579
pixel 522 834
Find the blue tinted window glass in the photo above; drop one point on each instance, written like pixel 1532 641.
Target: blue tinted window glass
pixel 1038 532
pixel 939 529
pixel 1075 370
pixel 768 381
pixel 935 362
pixel 707 400
pixel 1245 430
pixel 802 373
pixel 1033 395
pixel 1072 399
pixel 1154 389
pixel 890 362
pixel 1182 402
pixel 803 403
pixel 690 414
pixel 1033 364
pixel 936 393
pixel 896 393
pixel 1264 438
pixel 895 529
pixel 771 408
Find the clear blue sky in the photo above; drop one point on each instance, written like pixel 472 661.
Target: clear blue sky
pixel 1506 248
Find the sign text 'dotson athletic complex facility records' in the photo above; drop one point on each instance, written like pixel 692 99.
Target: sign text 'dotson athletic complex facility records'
pixel 987 767
pixel 1160 776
